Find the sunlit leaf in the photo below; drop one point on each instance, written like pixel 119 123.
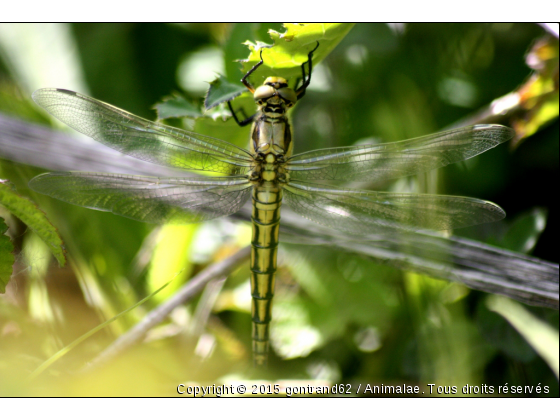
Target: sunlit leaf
pixel 284 58
pixel 235 50
pixel 33 217
pixel 171 258
pixel 289 50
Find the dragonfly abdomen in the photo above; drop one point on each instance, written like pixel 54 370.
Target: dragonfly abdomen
pixel 267 200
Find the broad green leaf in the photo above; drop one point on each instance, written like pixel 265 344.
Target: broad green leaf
pixel 221 90
pixel 289 50
pixel 283 58
pixel 171 258
pixel 34 218
pixel 6 257
pixel 235 50
pixel 176 107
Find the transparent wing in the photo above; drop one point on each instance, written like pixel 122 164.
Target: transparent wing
pixel 393 160
pixel 358 211
pixel 148 199
pixel 141 138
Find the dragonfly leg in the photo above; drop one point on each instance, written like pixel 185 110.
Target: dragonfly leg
pixel 306 78
pixel 245 81
pixel 243 123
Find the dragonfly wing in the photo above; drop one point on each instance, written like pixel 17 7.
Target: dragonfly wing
pixel 141 138
pixel 358 211
pixel 148 199
pixel 392 160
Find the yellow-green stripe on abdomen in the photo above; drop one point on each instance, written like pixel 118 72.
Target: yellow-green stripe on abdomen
pixel 267 200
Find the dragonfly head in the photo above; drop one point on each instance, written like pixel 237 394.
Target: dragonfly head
pixel 275 90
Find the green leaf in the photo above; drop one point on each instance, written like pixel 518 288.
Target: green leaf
pixel 171 256
pixel 284 58
pixel 525 231
pixel 221 90
pixel 542 337
pixel 234 48
pixel 290 49
pixel 33 217
pixel 500 334
pixel 6 257
pixel 176 107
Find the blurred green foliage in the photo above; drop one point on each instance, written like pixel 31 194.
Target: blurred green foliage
pixel 339 317
pixel 6 257
pixel 27 211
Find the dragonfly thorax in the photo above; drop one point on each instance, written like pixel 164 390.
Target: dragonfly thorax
pixel 271 128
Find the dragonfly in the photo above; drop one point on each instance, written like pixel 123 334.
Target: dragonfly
pixel 268 173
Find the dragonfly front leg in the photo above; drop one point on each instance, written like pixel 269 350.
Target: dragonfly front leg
pixel 245 80
pixel 306 78
pixel 243 123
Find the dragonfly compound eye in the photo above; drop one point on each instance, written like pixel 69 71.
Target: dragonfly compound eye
pixel 264 92
pixel 288 95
